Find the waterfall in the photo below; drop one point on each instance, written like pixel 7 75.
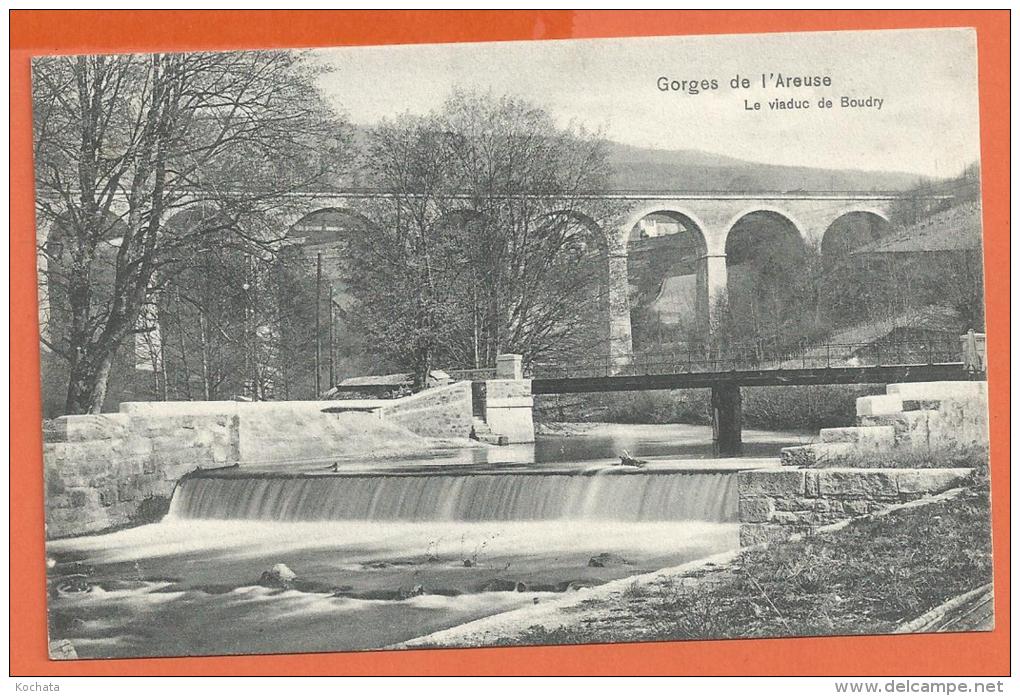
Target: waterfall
pixel 607 495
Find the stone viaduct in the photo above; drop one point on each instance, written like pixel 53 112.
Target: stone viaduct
pixel 710 216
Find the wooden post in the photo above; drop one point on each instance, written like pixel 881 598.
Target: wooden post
pixel 726 419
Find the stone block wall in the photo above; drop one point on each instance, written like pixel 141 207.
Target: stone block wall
pixel 931 415
pixel 920 417
pixel 106 471
pixel 509 409
pixel 774 503
pixel 442 412
pixel 111 470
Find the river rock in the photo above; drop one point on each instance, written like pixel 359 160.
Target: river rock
pixel 72 585
pixel 279 576
pixel 413 592
pixel 502 585
pixel 607 560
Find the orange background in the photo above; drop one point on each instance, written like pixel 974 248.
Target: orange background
pixel 40 32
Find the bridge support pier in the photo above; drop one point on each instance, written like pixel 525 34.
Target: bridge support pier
pixel 726 419
pixel 711 288
pixel 620 344
pixel 507 405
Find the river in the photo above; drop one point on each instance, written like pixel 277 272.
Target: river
pixel 387 551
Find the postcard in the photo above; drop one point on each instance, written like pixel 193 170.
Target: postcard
pixel 553 342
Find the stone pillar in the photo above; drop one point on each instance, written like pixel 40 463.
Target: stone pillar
pixel 620 344
pixel 508 366
pixel 508 409
pixel 726 419
pixel 711 287
pixel 975 355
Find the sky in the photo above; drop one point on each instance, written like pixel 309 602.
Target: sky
pixel 926 79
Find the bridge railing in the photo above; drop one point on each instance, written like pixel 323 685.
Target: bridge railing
pixel 756 358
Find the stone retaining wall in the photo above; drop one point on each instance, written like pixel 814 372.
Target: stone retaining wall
pixel 441 412
pixel 509 409
pixel 919 418
pixel 775 503
pixel 110 470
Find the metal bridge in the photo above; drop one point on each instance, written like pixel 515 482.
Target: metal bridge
pixel 697 367
pixel 750 366
pixel 726 370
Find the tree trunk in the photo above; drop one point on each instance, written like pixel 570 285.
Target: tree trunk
pixel 474 321
pixel 86 389
pixel 184 351
pixel 154 361
pixel 422 368
pixel 204 338
pixel 162 370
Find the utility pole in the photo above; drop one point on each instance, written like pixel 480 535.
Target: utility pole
pixel 332 344
pixel 253 300
pixel 318 323
pixel 248 331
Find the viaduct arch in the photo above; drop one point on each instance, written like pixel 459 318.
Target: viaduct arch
pixel 713 215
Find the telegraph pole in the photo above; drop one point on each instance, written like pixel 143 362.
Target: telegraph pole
pixel 318 323
pixel 253 302
pixel 332 345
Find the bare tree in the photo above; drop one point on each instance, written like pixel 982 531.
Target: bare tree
pixel 483 247
pixel 122 143
pixel 538 244
pixel 404 259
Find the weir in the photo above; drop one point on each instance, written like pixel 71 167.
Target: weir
pixel 582 495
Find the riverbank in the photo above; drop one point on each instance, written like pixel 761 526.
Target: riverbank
pixel 787 408
pixel 868 576
pixel 652 433
pixel 662 431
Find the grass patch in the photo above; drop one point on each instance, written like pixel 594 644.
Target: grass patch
pixel 867 578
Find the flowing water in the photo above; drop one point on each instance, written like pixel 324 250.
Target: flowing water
pixel 384 552
pixel 599 495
